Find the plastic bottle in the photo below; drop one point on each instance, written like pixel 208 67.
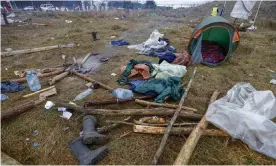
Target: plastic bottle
pixel 33 81
pixel 123 93
pixel 83 94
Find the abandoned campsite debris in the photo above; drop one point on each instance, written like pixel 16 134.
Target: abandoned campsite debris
pixel 190 144
pixel 42 90
pixel 83 94
pixel 121 93
pixel 11 87
pixel 33 81
pixel 244 105
pixel 4 97
pixel 119 43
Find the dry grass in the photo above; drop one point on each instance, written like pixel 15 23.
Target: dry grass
pixel 255 55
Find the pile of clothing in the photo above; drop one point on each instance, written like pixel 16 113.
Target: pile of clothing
pixel 160 80
pixel 212 52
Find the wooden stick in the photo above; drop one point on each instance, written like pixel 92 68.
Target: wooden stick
pixel 42 75
pixel 42 90
pixel 31 50
pixel 20 109
pixel 164 105
pixel 149 124
pixel 132 112
pixel 175 130
pixel 57 78
pixel 108 128
pixel 190 144
pixel 92 80
pixel 168 130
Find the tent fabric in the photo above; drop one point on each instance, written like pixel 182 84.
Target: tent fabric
pixel 214 29
pixel 242 9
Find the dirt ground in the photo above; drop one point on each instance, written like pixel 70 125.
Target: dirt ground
pixel 251 63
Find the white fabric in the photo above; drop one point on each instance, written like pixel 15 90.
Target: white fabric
pixel 244 113
pixel 165 70
pixel 152 42
pixel 242 9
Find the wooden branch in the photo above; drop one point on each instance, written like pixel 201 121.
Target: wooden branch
pixel 42 75
pixel 20 109
pixel 42 90
pixel 110 127
pixel 176 114
pixel 31 50
pixel 92 80
pixel 190 144
pixel 142 102
pixel 175 130
pixel 132 112
pixel 57 78
pixel 148 124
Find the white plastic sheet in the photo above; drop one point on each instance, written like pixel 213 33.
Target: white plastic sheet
pixel 152 42
pixel 242 9
pixel 244 113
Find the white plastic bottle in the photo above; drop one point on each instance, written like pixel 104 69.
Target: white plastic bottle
pixel 121 93
pixel 83 94
pixel 33 81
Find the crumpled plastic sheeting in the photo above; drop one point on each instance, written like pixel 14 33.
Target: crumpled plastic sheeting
pixel 242 9
pixel 244 113
pixel 165 70
pixel 151 43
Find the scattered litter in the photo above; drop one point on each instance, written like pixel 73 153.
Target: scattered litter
pixel 4 97
pixel 61 109
pixel 251 75
pixel 116 18
pixel 49 105
pixel 35 133
pixel 52 38
pixel 270 70
pixel 66 115
pixel 83 94
pixel 95 36
pixel 11 15
pixel 104 59
pixel 63 56
pixel 6 69
pixel 113 74
pixel 66 128
pixel 121 93
pixel 252 27
pixel 36 144
pixel 81 134
pixel 273 81
pixel 72 103
pixel 273 75
pixel 33 81
pixel 11 86
pixel 153 120
pixel 8 49
pixel 119 42
pixel 89 84
pixel 112 37
pixel 245 113
pixel 27 139
pixel 68 21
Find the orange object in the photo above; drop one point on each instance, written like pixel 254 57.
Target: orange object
pixel 139 69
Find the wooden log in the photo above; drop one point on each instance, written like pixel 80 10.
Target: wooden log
pixel 142 102
pixel 57 78
pixel 131 112
pixel 169 127
pixel 7 160
pixel 190 144
pixel 20 109
pixel 42 90
pixel 149 124
pixel 42 75
pixel 45 94
pixel 176 130
pixel 110 127
pixel 92 80
pixel 31 50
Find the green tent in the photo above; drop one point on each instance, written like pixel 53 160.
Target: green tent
pixel 217 30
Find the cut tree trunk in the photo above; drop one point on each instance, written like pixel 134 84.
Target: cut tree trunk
pixel 169 127
pixel 92 80
pixel 131 112
pixel 190 144
pixel 163 105
pixel 175 130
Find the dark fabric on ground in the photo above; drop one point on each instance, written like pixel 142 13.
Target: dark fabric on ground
pixel 212 52
pixel 135 83
pixel 163 87
pixel 159 51
pixel 169 57
pixel 119 42
pixel 130 66
pixel 11 86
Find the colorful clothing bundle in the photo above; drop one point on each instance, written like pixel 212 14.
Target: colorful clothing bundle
pixel 212 52
pixel 176 58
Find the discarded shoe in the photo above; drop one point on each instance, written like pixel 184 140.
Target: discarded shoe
pixel 84 154
pixel 90 135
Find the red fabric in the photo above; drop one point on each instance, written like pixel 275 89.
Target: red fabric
pixel 139 69
pixel 183 59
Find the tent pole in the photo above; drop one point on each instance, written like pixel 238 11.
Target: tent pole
pixel 257 13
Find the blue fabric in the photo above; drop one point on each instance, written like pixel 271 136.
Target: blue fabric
pixel 11 86
pixel 159 51
pixel 169 57
pixel 135 83
pixel 119 42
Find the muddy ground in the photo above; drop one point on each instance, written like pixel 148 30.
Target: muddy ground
pixel 251 63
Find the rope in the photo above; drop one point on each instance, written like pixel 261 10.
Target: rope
pixel 257 12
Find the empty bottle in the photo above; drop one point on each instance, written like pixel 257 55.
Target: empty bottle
pixel 83 94
pixel 121 93
pixel 33 81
